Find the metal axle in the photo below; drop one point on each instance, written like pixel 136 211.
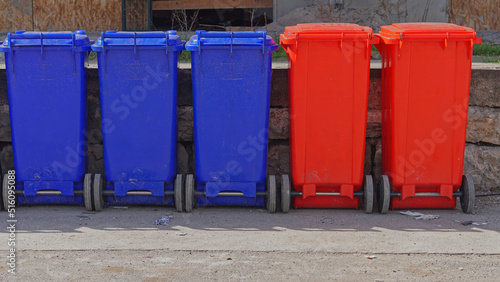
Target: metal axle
pixel 427 194
pixel 232 194
pixel 105 192
pixel 325 194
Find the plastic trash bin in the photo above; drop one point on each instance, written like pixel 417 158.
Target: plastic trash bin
pixel 425 96
pixel 328 93
pixel 231 87
pixel 47 87
pixel 138 85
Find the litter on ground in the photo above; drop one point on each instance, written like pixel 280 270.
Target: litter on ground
pixel 164 220
pixel 470 222
pixel 420 216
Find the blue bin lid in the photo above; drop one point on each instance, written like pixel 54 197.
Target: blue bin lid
pixel 154 39
pixel 256 39
pixel 22 38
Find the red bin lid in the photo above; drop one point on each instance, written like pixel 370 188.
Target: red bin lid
pixel 329 30
pixel 427 31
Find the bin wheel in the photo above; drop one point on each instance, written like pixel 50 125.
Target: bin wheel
pixel 368 194
pixel 468 198
pixel 5 193
pixel 384 194
pixel 87 191
pixel 285 193
pixel 98 195
pixel 271 194
pixel 189 198
pixel 178 192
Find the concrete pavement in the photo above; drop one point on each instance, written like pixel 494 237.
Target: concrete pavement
pixel 64 242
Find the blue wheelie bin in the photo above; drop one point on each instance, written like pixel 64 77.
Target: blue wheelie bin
pixel 231 87
pixel 138 87
pixel 47 87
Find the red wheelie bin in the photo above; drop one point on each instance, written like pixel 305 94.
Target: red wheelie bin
pixel 426 71
pixel 328 93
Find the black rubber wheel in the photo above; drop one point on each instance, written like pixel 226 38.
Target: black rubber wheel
pixel 384 194
pixel 468 198
pixel 368 194
pixel 87 192
pixel 98 196
pixel 271 194
pixel 178 192
pixel 189 197
pixel 285 193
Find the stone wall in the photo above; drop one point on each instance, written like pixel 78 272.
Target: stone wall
pixel 482 154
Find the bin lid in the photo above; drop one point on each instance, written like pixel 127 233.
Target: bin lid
pixel 427 31
pixel 23 38
pixel 257 39
pixel 148 38
pixel 326 30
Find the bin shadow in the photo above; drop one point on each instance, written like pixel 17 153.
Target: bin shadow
pixel 53 219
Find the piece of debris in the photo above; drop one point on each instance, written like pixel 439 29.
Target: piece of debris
pixel 479 223
pixel 410 213
pixel 460 268
pixel 183 234
pixel 420 216
pixel 470 222
pixel 164 220
pixel 120 207
pixel 83 217
pixel 427 217
pixel 370 257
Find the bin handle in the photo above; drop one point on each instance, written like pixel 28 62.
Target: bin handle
pixel 374 40
pixel 204 34
pixel 212 34
pixel 135 36
pixel 124 34
pixel 166 42
pixel 73 41
pixel 103 52
pixel 44 35
pixel 135 43
pixel 198 42
pixel 41 43
pixel 11 51
pixel 73 51
pixel 286 43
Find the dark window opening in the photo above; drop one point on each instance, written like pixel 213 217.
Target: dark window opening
pixel 213 20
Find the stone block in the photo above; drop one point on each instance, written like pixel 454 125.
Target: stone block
pixel 485 88
pixel 278 159
pixel 5 134
pixel 483 125
pixel 483 163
